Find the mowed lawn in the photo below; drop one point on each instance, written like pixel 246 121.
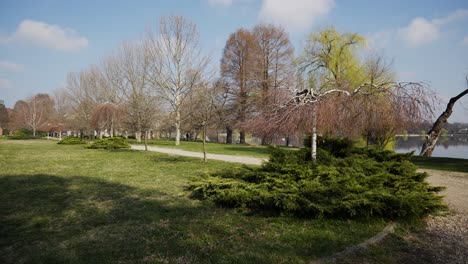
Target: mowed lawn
pixel 67 204
pixel 438 163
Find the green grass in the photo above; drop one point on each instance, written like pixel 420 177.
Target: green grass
pixel 446 164
pixel 211 147
pixel 67 204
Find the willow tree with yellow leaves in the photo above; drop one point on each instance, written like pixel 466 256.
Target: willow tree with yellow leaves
pixel 339 92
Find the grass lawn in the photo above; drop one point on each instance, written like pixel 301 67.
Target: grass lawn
pixel 67 204
pixel 211 147
pixel 446 164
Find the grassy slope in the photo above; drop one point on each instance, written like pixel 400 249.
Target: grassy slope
pixel 66 204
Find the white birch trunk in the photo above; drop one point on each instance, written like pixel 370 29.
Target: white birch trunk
pixel 177 125
pixel 313 147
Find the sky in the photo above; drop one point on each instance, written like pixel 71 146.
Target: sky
pixel 42 41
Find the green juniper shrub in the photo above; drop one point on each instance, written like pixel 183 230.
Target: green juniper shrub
pixel 23 133
pixel 338 147
pixel 70 140
pixel 109 143
pixel 365 183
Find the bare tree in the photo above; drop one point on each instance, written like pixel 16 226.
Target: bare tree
pixel 178 65
pixel 62 119
pixel 82 102
pixel 129 73
pixel 201 109
pixel 433 135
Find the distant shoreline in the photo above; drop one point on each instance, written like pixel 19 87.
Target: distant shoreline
pixel 423 135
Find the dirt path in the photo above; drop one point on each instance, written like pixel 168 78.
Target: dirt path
pixel 228 158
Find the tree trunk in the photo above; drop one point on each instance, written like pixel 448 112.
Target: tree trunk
pixel 287 141
pixel 242 137
pixel 146 141
pixel 228 135
pixel 112 129
pixel 313 141
pixel 433 135
pixel 177 125
pixel 34 131
pixel 204 143
pixel 138 136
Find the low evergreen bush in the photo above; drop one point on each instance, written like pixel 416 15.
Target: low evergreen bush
pixel 364 183
pixel 23 133
pixel 70 140
pixel 338 147
pixel 109 143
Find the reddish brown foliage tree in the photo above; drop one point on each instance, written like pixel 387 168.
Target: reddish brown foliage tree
pixel 33 113
pixel 238 67
pixel 106 116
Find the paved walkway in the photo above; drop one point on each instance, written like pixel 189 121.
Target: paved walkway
pixel 228 158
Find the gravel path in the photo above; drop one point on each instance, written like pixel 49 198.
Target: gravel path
pixel 445 239
pixel 228 158
pixel 456 194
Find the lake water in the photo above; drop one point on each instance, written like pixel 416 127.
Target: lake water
pixel 455 146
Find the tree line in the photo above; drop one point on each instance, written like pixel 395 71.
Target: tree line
pixel 163 84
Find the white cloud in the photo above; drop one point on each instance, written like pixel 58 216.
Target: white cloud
pixel 4 83
pixel 452 17
pixel 10 66
pixel 465 40
pixel 295 15
pixel 223 3
pixel 421 31
pixel 46 35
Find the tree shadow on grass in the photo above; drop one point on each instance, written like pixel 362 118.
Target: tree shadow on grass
pixel 50 219
pixel 75 219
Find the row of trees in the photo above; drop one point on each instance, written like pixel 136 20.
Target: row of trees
pixel 163 82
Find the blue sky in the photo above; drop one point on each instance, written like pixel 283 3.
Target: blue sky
pixel 41 41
